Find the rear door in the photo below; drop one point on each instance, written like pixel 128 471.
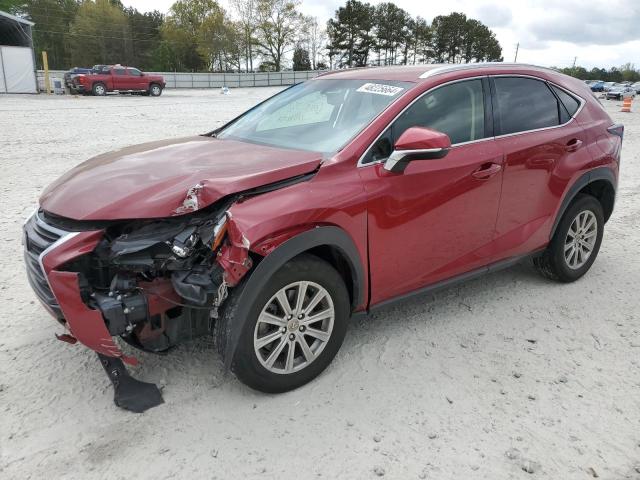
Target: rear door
pixel 542 146
pixel 121 81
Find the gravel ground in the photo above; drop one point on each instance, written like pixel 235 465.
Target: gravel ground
pixel 509 376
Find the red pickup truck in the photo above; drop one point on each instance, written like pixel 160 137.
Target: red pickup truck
pixel 112 78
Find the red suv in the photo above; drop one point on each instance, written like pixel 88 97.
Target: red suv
pixel 328 200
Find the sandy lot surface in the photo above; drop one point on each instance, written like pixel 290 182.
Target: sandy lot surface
pixel 486 380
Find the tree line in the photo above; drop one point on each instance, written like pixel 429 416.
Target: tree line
pixel 624 73
pixel 251 35
pixel 361 34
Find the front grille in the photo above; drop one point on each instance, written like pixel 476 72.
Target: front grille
pixel 38 237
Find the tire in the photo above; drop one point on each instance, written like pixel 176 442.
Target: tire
pixel 99 89
pixel 155 90
pixel 553 263
pixel 251 362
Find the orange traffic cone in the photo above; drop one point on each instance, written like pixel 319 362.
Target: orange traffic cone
pixel 626 104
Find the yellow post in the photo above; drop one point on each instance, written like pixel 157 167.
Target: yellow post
pixel 45 64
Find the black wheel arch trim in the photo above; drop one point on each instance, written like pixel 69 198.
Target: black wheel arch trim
pixel 600 173
pixel 330 236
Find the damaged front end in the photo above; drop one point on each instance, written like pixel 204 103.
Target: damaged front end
pixel 153 283
pixel 157 282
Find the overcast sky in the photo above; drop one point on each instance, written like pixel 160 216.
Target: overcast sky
pixel 550 32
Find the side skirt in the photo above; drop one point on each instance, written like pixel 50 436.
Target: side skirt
pixel 464 277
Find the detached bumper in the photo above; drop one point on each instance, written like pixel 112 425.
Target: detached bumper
pixel 48 248
pixel 86 325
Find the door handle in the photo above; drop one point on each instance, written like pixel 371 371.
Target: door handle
pixel 573 145
pixel 487 170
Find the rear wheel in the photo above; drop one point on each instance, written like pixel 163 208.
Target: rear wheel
pixel 295 327
pixel 99 89
pixel 576 242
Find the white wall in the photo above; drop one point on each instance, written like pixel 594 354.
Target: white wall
pixel 17 70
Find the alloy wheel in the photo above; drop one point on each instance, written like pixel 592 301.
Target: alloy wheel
pixel 294 327
pixel 581 239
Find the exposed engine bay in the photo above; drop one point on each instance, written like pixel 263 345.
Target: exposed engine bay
pixel 159 282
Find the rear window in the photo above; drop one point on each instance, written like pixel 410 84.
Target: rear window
pixel 118 71
pixel 525 104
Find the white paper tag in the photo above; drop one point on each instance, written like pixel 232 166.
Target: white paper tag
pixel 380 89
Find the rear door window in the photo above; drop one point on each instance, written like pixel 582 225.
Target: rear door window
pixel 119 71
pixel 524 104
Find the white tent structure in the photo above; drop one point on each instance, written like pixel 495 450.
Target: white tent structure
pixel 17 61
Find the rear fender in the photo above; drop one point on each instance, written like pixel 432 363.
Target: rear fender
pixel 600 173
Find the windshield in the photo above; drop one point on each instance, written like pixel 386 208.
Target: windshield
pixel 320 115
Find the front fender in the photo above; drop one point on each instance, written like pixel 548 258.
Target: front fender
pixel 257 279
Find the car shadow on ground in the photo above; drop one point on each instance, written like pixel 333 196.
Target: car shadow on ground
pixel 197 362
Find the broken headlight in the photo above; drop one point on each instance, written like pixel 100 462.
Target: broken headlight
pixel 162 241
pixel 184 243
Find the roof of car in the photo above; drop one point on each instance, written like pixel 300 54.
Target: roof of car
pixel 417 73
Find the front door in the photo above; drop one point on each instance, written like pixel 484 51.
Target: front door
pixel 436 219
pixel 137 80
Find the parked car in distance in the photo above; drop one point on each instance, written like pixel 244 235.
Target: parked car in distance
pixel 636 87
pixel 335 197
pixel 71 74
pixel 597 86
pixel 607 86
pixel 619 91
pixel 110 78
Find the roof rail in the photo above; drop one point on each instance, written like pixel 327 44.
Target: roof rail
pixel 471 66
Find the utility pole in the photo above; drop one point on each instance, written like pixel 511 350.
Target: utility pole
pixel 574 62
pixel 517 47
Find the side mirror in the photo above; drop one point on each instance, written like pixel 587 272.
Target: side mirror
pixel 417 143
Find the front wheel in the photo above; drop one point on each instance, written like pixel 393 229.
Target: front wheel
pixel 576 242
pixel 155 90
pixel 99 89
pixel 295 327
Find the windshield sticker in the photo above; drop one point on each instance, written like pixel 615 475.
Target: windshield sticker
pixel 380 89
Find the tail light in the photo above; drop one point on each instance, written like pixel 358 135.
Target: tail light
pixel 616 129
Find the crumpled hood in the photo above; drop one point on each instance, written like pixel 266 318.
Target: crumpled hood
pixel 153 180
